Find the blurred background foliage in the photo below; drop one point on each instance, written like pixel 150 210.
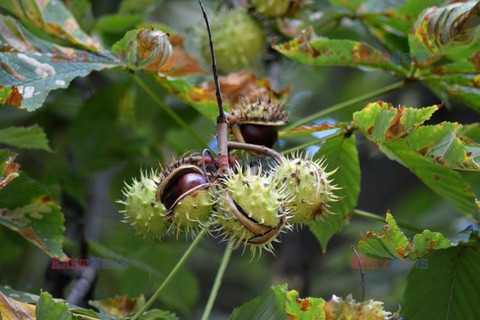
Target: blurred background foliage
pixel 103 128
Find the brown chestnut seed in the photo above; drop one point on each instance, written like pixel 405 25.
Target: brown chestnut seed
pixel 259 134
pixel 180 186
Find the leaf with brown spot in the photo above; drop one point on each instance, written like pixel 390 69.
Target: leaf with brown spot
pixel 450 30
pixel 319 51
pixel 430 152
pixel 35 215
pixel 338 308
pixel 119 306
pixel 32 67
pixel 392 242
pixel 53 18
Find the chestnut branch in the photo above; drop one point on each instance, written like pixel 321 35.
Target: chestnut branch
pixel 255 148
pixel 222 125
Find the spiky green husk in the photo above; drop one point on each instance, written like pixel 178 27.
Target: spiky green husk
pixel 257 195
pixel 271 8
pixel 144 214
pixel 308 182
pixel 239 41
pixel 193 211
pixel 260 110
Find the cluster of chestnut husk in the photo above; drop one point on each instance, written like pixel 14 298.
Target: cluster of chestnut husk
pixel 249 203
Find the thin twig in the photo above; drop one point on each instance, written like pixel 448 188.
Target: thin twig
pixel 222 125
pixel 362 273
pixel 221 113
pixel 255 148
pixel 172 273
pixel 218 281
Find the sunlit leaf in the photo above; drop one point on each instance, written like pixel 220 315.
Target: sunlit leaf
pixel 52 17
pixel 310 49
pixel 449 290
pixel 32 67
pixel 446 30
pixel 34 215
pixel 392 242
pixel 430 152
pixel 341 154
pixel 25 137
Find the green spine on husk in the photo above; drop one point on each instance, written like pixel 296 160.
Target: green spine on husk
pixel 309 183
pixel 251 210
pixel 144 214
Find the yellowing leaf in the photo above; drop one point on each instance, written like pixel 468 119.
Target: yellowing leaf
pixel 52 17
pixel 430 152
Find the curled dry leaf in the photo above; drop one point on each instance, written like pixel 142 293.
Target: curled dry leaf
pixel 245 83
pixel 8 171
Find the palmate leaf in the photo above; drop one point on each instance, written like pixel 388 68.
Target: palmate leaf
pixel 32 67
pixel 310 49
pixel 430 152
pixel 392 242
pixel 52 17
pixel 340 153
pixel 25 137
pixel 446 30
pixel 34 215
pixel 280 304
pixel 449 290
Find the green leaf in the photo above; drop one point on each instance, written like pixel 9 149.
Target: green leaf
pixel 310 49
pixel 48 309
pixel 25 137
pixel 430 152
pixel 52 17
pixel 340 153
pixel 392 242
pixel 159 315
pixel 279 303
pixel 459 79
pixel 270 305
pixel 446 30
pixel 449 290
pixel 32 67
pixel 34 215
pixel 8 168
